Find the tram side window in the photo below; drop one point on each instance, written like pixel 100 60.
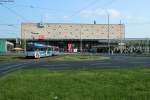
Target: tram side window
pixel 47 49
pixel 30 48
pixel 50 49
pixel 42 49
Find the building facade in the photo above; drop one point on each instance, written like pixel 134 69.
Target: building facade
pixel 5 46
pixel 70 36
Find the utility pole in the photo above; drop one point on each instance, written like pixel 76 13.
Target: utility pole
pixel 81 39
pixel 108 30
pixel 121 44
pixel 147 46
pixel 23 38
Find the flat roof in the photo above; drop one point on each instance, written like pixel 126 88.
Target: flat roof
pixel 71 23
pixel 87 39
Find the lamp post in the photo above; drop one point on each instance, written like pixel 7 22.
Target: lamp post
pixel 147 45
pixel 121 43
pixel 108 30
pixel 81 38
pixel 23 38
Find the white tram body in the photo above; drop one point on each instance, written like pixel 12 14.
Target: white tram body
pixel 36 50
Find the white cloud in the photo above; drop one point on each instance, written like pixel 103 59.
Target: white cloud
pixel 115 13
pixel 102 12
pixel 66 17
pixel 93 13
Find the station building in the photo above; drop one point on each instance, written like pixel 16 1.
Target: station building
pixel 75 37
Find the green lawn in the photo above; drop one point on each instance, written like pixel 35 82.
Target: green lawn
pixel 8 58
pixel 54 58
pixel 106 84
pixel 78 58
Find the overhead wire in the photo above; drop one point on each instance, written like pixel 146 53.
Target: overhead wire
pixel 37 7
pixel 14 12
pixel 80 10
pixel 91 4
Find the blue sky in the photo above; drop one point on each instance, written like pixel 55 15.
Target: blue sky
pixel 133 13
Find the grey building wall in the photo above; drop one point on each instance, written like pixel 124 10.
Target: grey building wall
pixel 71 31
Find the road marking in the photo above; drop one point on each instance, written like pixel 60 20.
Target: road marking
pixel 100 64
pixel 4 64
pixel 56 65
pixel 8 67
pixel 12 68
pixel 139 62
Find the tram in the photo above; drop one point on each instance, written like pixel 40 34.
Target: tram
pixel 37 50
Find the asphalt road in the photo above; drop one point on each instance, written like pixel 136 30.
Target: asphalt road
pixel 115 62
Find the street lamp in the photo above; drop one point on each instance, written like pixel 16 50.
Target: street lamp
pixel 108 30
pixel 147 44
pixel 121 43
pixel 81 38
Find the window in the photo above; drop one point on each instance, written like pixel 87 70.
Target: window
pixel 30 48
